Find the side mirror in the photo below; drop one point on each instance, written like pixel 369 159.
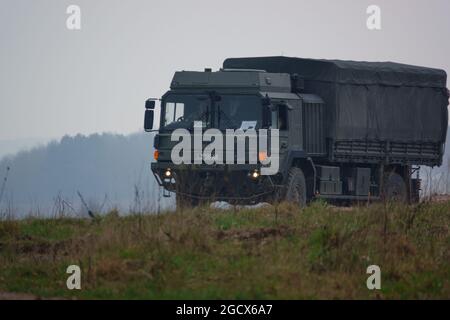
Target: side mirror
pixel 266 117
pixel 148 119
pixel 150 104
pixel 149 115
pixel 266 111
pixel 266 101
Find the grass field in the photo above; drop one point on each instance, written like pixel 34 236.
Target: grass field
pixel 280 252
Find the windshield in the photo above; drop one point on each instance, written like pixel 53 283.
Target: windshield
pixel 180 111
pixel 239 112
pixel 228 111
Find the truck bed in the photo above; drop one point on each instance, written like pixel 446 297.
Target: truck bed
pixel 373 111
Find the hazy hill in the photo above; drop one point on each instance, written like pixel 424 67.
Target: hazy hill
pixel 12 146
pixel 105 168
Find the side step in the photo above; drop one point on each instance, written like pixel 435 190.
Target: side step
pixel 166 194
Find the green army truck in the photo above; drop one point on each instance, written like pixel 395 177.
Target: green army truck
pixel 348 131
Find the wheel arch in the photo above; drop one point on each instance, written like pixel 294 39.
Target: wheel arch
pixel 300 159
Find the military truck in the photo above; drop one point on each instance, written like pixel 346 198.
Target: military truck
pixel 348 131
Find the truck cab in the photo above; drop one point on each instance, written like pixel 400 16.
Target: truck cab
pixel 229 100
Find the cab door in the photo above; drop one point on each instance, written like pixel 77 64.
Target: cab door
pixel 280 121
pixel 295 138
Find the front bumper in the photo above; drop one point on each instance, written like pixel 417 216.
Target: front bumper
pixel 215 182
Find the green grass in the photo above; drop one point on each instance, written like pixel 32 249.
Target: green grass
pixel 279 252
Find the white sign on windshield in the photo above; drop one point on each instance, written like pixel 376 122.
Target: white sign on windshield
pixel 246 125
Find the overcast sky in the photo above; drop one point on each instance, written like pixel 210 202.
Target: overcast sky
pixel 55 81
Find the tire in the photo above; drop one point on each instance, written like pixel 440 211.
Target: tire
pixel 395 188
pixel 296 187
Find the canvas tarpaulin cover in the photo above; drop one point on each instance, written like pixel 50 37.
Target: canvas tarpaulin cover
pixel 369 100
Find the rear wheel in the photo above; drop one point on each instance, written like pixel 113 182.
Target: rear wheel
pixel 395 188
pixel 296 187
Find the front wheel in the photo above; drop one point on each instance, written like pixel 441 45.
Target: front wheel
pixel 296 187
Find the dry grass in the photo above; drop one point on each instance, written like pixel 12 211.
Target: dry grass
pixel 272 252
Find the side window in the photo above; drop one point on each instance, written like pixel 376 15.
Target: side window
pixel 274 120
pixel 170 113
pixel 280 118
pixel 173 112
